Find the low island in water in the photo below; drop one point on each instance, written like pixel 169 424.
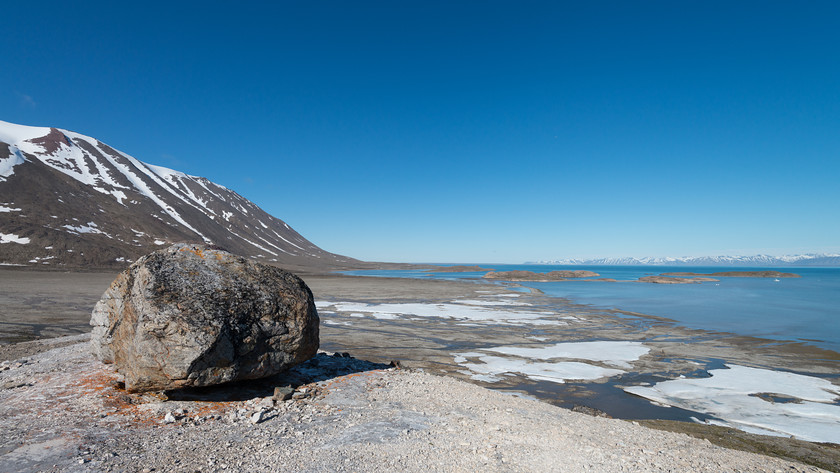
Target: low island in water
pixel 518 275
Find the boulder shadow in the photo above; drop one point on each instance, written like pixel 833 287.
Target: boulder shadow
pixel 321 367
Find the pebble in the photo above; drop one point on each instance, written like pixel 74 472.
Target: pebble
pixel 257 417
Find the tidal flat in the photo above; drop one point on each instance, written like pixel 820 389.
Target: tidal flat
pixel 499 336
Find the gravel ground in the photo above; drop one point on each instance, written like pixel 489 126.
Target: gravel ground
pixel 60 410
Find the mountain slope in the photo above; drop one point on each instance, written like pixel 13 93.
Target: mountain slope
pixel 69 200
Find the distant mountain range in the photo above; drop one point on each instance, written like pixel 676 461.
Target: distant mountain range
pixel 69 200
pixel 754 261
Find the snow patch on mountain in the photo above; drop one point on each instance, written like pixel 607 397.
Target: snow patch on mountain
pixel 128 192
pixel 12 238
pixel 89 228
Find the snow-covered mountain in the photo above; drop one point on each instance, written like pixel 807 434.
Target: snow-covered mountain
pixel 69 200
pixel 754 261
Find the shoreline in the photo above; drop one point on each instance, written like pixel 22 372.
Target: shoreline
pixel 675 351
pixel 60 410
pixel 383 340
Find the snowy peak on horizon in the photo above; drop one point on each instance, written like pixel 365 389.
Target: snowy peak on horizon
pixel 70 199
pixel 820 259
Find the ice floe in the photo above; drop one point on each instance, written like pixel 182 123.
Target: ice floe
pixel 494 368
pixel 534 362
pixel 757 400
pixel 616 353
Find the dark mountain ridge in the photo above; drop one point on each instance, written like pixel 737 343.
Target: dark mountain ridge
pixel 69 200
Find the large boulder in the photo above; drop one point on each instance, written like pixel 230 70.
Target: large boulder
pixel 192 315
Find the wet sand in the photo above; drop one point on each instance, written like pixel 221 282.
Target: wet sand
pixel 47 304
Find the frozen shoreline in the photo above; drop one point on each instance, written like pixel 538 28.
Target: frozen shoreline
pixel 431 342
pixel 65 414
pixel 736 396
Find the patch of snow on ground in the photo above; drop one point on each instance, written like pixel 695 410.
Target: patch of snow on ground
pixel 616 353
pixel 12 238
pixel 336 322
pixel 447 310
pixel 731 395
pixel 3 208
pixel 160 242
pixel 493 368
pixel 41 259
pixel 89 228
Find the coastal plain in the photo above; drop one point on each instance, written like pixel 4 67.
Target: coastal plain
pixel 380 320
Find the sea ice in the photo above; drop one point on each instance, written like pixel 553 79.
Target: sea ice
pixel 732 395
pixel 616 353
pixel 492 368
pixel 533 362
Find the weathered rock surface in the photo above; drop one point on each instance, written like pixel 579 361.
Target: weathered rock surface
pixel 518 275
pixel 191 315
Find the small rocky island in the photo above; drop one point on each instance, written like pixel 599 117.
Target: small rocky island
pixel 739 274
pixel 540 277
pixel 666 279
pixel 458 269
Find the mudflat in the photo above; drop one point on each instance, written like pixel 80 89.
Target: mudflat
pixel 47 304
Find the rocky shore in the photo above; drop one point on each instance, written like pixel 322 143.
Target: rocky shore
pixel 61 407
pixel 61 410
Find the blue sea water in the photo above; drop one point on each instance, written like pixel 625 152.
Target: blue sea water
pixel 805 309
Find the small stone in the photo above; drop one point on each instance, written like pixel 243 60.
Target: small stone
pixel 283 393
pixel 13 385
pixel 169 418
pixel 257 417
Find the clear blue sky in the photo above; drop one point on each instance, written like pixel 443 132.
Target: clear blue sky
pixel 465 131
